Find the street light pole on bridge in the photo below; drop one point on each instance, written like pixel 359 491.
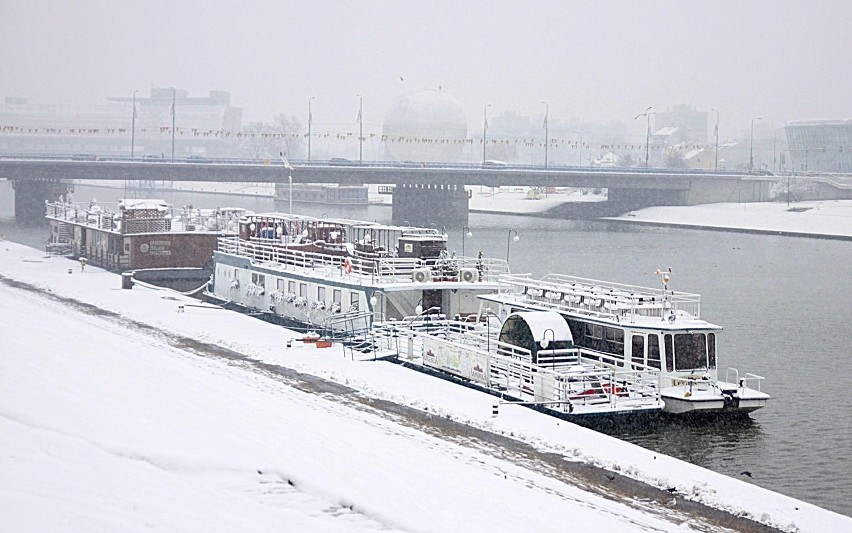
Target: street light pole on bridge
pixel 310 121
pixel 546 112
pixel 360 128
pixel 647 115
pixel 133 126
pixel 751 145
pixel 716 131
pixel 484 129
pixel 173 124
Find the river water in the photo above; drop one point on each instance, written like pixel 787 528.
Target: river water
pixel 783 301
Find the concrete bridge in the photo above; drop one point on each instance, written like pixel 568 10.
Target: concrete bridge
pixel 420 189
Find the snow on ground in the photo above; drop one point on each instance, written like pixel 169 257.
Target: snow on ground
pixel 108 424
pixel 824 217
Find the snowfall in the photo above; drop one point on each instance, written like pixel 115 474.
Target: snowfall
pixel 121 413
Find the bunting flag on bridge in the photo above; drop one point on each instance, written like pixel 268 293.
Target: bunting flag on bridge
pixel 347 136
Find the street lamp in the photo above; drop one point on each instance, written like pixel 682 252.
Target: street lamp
pixel 647 116
pixel 173 124
pixel 484 129
pixel 774 148
pixel 751 145
pixel 546 112
pixel 360 128
pixel 716 131
pixel 465 236
pixel 133 126
pixel 310 121
pixel 509 241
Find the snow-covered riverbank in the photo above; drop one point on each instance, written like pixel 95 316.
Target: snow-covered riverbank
pixel 120 413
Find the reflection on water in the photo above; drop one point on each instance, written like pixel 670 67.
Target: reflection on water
pixel 721 444
pixel 784 303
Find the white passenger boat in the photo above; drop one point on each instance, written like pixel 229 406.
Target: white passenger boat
pixel 630 327
pixel 530 359
pixel 338 276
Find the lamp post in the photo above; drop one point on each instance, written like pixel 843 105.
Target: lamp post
pixel 310 122
pixel 133 126
pixel 173 124
pixel 751 145
pixel 647 116
pixel 509 241
pixel 544 343
pixel 465 235
pixel 484 129
pixel 360 128
pixel 774 148
pixel 716 152
pixel 546 113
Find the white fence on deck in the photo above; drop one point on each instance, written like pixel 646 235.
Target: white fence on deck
pixel 569 383
pixel 378 270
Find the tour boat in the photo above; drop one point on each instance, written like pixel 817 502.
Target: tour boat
pixel 529 359
pixel 162 244
pixel 630 327
pixel 343 275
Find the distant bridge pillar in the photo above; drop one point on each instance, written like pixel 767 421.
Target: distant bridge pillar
pixel 30 196
pixel 425 204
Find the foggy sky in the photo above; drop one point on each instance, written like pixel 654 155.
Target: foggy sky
pixel 596 60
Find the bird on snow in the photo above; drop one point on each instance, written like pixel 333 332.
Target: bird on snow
pixel 671 489
pixel 746 473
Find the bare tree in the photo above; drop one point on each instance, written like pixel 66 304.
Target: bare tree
pixel 267 140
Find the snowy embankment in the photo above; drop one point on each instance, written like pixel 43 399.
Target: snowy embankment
pixel 829 218
pixel 125 414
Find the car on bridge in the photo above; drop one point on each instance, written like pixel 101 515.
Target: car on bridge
pixel 494 163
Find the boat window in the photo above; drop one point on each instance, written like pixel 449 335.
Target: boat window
pixel 321 294
pixel 291 287
pixel 654 351
pixel 258 279
pixel 594 331
pixel 335 296
pixel 353 301
pixel 711 350
pixel 280 285
pixel 638 349
pixel 303 290
pixel 690 351
pixel 669 352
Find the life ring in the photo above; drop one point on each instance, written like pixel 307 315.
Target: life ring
pixel 347 265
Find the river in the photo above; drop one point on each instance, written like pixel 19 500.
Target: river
pixel 783 302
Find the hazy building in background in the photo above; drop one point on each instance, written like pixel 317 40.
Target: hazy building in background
pixel 203 125
pixel 818 146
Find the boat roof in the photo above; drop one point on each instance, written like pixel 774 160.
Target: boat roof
pixel 542 322
pixel 142 203
pixel 682 319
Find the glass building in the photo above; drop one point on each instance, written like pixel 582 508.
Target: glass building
pixel 818 146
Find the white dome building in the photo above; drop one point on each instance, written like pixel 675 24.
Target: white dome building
pixel 427 125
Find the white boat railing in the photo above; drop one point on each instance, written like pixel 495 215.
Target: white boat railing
pixel 109 218
pixel 744 382
pixel 600 298
pixel 378 269
pixel 565 387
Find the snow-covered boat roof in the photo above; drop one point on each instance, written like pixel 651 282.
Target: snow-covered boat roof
pixel 150 203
